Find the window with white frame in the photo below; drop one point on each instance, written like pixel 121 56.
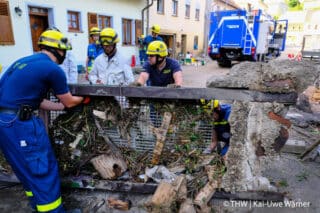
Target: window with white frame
pixel 187 15
pixel 197 15
pixel 104 21
pixel 127 31
pixel 160 6
pixel 174 7
pixel 74 21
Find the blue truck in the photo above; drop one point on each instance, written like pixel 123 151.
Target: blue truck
pixel 240 35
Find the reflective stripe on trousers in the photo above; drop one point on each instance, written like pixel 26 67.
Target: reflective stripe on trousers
pixel 27 148
pixel 50 206
pixel 223 122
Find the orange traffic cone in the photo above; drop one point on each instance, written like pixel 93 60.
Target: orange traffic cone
pixel 299 57
pixel 133 61
pixel 291 56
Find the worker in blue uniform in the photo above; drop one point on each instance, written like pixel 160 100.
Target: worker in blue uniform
pixel 155 30
pixel 221 126
pixel 142 50
pixel 160 70
pixel 24 141
pixel 94 49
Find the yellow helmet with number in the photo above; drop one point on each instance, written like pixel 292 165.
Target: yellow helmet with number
pixel 54 38
pixel 155 29
pixel 157 48
pixel 109 36
pixel 94 31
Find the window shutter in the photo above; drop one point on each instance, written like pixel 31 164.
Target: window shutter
pixel 6 35
pixel 138 24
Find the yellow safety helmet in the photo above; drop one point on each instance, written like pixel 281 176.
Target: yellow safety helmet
pixel 94 31
pixel 209 104
pixel 155 29
pixel 142 36
pixel 54 38
pixel 157 48
pixel 109 36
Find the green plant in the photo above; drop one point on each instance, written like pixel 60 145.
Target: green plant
pixel 294 5
pixel 283 183
pixel 302 176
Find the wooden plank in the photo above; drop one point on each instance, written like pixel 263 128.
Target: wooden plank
pixel 294 146
pixel 121 186
pixel 187 93
pixel 150 188
pixel 161 133
pixel 309 149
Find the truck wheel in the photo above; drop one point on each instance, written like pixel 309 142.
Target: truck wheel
pixel 224 63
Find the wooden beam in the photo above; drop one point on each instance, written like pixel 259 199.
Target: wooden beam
pixel 112 185
pixel 186 93
pixel 309 149
pixel 161 133
pixel 150 188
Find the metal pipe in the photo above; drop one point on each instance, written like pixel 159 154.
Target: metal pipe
pixel 142 15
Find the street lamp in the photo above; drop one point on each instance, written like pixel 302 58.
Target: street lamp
pixel 18 10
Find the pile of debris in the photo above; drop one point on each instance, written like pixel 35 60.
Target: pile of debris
pixel 83 147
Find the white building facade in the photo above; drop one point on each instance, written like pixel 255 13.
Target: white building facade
pixel 182 25
pixel 22 21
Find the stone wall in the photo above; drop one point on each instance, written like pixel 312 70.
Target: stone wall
pixel 259 130
pixel 257 135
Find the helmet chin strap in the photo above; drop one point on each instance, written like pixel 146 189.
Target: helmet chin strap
pixel 113 51
pixel 60 58
pixel 158 61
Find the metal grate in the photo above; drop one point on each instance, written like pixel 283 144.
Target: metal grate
pixel 141 136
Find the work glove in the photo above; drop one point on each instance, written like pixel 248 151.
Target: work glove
pixel 75 109
pixel 86 100
pixel 135 84
pixel 79 108
pixel 173 86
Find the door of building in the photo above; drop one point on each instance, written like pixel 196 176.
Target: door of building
pixel 38 23
pixel 169 40
pixel 183 44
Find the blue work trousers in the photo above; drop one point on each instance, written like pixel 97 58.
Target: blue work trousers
pixel 27 148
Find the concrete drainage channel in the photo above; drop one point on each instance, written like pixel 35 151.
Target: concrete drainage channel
pixel 259 127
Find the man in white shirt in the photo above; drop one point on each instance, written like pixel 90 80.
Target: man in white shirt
pixel 70 68
pixel 110 68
